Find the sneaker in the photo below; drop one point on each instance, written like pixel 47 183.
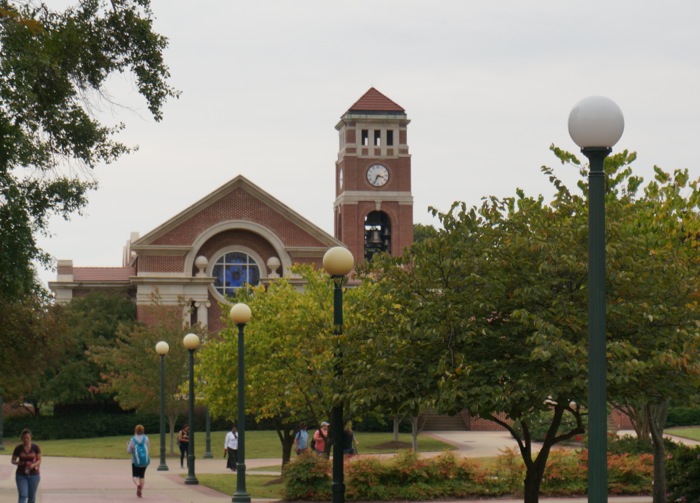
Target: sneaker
pixel 138 492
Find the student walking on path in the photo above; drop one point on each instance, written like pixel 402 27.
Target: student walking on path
pixel 140 459
pixel 27 457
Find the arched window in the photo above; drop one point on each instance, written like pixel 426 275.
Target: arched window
pixel 233 270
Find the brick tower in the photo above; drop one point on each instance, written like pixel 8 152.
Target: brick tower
pixel 373 209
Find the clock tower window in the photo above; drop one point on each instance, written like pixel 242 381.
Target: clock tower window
pixel 377 234
pixel 389 138
pixel 365 138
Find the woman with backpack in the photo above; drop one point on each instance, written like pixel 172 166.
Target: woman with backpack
pixel 140 459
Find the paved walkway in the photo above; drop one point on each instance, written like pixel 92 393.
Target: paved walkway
pixel 80 480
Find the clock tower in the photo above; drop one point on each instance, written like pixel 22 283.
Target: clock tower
pixel 373 209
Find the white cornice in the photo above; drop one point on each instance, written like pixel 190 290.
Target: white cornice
pixel 355 197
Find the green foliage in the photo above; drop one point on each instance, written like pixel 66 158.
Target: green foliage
pixel 307 478
pixel 130 366
pixel 683 475
pixel 289 351
pixel 85 322
pixel 81 426
pixel 683 416
pixel 407 477
pixel 54 65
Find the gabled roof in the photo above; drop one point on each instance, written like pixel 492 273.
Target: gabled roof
pixel 374 101
pixel 239 182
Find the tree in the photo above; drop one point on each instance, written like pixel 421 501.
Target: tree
pixel 53 65
pixel 86 322
pixel 289 353
pixel 32 338
pixel 386 367
pixel 654 261
pixel 131 367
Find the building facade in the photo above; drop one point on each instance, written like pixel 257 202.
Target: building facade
pixel 239 234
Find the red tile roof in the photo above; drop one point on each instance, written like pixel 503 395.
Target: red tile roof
pixel 374 101
pixel 102 274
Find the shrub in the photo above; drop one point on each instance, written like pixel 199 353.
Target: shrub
pixel 683 416
pixel 683 475
pixel 307 477
pixel 81 426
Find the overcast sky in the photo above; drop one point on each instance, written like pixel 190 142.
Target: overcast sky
pixel 487 85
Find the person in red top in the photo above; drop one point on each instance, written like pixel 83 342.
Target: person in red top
pixel 320 437
pixel 27 457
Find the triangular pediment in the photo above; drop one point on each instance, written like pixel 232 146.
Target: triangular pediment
pixel 237 200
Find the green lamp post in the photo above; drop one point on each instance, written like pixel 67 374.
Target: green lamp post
pixel 191 343
pixel 240 314
pixel 162 349
pixel 596 124
pixel 338 262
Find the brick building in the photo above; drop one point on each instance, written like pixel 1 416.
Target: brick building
pixel 241 234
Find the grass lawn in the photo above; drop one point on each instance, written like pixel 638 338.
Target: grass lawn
pixel 259 444
pixel 258 486
pixel 690 432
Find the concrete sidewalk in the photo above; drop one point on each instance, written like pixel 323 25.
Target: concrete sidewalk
pixel 80 480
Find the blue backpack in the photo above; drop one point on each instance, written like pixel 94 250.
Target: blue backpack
pixel 140 455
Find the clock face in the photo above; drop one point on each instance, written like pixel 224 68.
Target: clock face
pixel 340 178
pixel 377 175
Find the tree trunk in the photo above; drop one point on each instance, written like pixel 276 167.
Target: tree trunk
pixel 656 419
pixel 286 437
pixel 414 433
pixel 533 480
pixel 397 422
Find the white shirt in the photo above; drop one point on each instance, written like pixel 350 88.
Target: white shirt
pixel 231 441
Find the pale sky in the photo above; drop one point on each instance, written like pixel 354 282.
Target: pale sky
pixel 487 85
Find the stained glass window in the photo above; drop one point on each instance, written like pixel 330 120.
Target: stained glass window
pixel 233 270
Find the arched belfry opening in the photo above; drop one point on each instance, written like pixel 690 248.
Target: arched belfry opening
pixel 377 234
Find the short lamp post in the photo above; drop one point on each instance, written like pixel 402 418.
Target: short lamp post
pixel 596 124
pixel 191 343
pixel 162 349
pixel 240 314
pixel 2 423
pixel 338 262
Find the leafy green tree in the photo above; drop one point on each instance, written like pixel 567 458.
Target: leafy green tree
pixel 85 322
pixel 53 65
pixel 387 369
pixel 130 366
pixel 654 263
pixel 32 337
pixel 497 299
pixel 289 350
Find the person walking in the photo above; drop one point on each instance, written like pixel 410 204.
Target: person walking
pixel 301 439
pixel 183 441
pixel 140 459
pixel 320 437
pixel 350 443
pixel 27 457
pixel 231 448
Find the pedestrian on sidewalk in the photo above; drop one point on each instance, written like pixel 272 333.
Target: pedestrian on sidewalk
pixel 301 439
pixel 231 448
pixel 140 459
pixel 27 457
pixel 183 441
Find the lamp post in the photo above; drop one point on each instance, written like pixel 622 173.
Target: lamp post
pixel 596 124
pixel 162 349
pixel 240 314
pixel 191 343
pixel 207 422
pixel 338 262
pixel 2 425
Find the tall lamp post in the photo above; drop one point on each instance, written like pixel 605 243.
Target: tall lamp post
pixel 191 343
pixel 338 262
pixel 162 349
pixel 596 124
pixel 240 314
